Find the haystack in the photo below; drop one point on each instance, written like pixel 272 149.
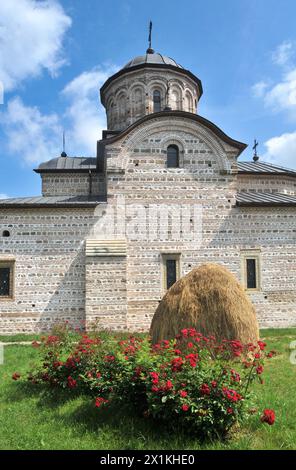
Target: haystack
pixel 209 299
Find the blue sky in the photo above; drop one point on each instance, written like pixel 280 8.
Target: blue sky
pixel 55 55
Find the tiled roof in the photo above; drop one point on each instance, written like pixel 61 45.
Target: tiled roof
pixel 265 199
pixel 53 201
pixel 264 168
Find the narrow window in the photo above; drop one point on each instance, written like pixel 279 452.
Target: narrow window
pixel 251 273
pixel 172 156
pixel 6 280
pixel 251 269
pixel 171 270
pixel 156 101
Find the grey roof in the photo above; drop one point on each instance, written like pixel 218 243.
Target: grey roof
pixel 53 201
pixel 154 58
pixel 265 199
pixel 68 164
pixel 264 167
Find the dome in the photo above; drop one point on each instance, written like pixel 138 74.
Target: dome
pixel 152 58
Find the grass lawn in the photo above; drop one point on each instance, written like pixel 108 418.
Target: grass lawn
pixel 33 418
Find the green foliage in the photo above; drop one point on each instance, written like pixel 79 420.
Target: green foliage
pixel 192 382
pixel 42 417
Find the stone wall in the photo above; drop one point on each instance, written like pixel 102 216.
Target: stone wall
pixel 267 183
pixel 72 184
pixel 48 247
pixel 105 285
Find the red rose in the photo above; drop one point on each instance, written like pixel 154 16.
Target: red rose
pixel 229 411
pixel 205 389
pixel 100 401
pixel 16 376
pixel 177 364
pixel 183 393
pixel 231 395
pixel 169 385
pixel 72 383
pixel 185 407
pixel 261 345
pixel 154 376
pixel 259 370
pixel 268 416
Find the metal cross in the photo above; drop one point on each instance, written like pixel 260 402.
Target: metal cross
pixel 255 147
pixel 255 156
pixel 150 31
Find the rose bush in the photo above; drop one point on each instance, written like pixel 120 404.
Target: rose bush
pixel 192 382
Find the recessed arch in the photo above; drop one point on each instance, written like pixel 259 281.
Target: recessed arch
pixel 196 125
pixel 188 102
pixel 137 101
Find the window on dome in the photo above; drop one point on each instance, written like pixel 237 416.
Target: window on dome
pixel 156 101
pixel 172 156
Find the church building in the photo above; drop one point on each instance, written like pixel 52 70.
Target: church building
pixel 164 194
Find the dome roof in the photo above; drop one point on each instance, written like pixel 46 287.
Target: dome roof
pixel 152 58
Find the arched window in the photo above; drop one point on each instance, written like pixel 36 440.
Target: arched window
pixel 172 156
pixel 188 103
pixel 138 102
pixel 156 101
pixel 5 233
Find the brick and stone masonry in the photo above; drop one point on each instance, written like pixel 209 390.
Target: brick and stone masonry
pixel 91 247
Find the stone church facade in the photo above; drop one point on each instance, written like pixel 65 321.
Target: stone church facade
pixel 165 193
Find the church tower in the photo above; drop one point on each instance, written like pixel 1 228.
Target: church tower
pixel 149 83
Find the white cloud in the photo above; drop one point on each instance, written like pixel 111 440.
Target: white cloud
pixel 281 150
pixel 85 114
pixel 283 95
pixel 3 196
pixel 31 39
pixel 258 90
pixel 280 96
pixel 35 137
pixel 284 53
pixel 30 134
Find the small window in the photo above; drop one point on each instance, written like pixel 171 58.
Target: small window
pixel 5 233
pixel 156 101
pixel 6 279
pixel 251 270
pixel 251 273
pixel 171 270
pixel 172 156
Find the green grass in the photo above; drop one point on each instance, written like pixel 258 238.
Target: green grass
pixel 19 337
pixel 33 418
